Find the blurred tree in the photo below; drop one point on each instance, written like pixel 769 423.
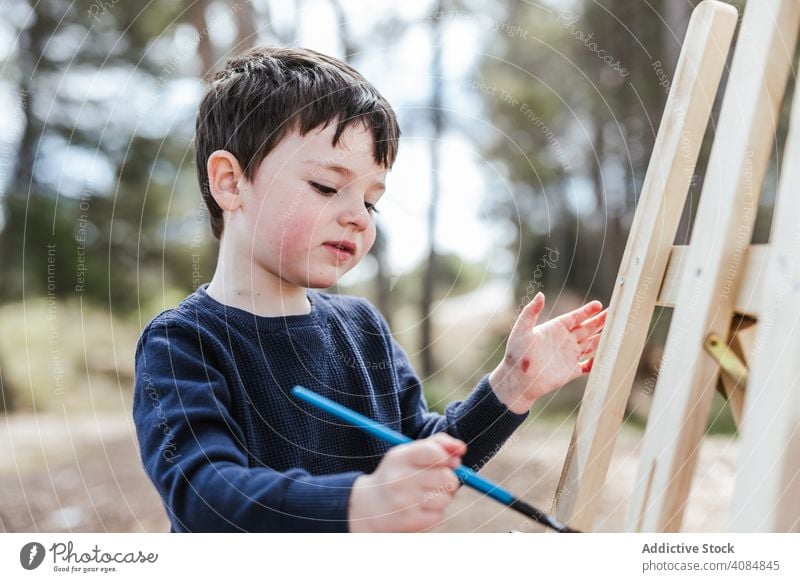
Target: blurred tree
pixel 578 98
pixel 84 181
pixel 99 203
pixel 427 359
pixel 7 401
pixel 196 10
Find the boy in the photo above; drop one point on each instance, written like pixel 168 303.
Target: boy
pixel 293 148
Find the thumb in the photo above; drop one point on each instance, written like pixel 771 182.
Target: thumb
pixel 529 316
pixel 451 445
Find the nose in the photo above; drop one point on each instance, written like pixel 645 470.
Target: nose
pixel 355 213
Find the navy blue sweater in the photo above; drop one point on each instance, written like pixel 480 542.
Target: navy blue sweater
pixel 229 450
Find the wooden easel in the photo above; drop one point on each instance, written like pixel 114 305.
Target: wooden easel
pixel 719 285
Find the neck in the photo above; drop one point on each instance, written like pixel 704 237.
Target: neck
pixel 239 282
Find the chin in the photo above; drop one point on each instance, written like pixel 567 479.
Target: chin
pixel 324 281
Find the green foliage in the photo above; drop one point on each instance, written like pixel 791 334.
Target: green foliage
pixel 67 356
pixel 453 277
pixel 116 243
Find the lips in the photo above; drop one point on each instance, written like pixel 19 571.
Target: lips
pixel 341 249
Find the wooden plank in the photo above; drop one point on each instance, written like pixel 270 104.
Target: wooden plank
pixel 751 290
pixel 721 234
pixel 767 493
pixel 663 196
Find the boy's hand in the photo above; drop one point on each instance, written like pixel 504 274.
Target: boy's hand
pixel 410 489
pixel 540 359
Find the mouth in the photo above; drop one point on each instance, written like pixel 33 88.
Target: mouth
pixel 342 249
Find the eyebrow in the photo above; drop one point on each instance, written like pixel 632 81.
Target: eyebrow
pixel 342 171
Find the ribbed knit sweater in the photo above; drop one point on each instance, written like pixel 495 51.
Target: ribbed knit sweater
pixel 227 447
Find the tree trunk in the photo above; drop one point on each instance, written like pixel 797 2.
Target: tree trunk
pixel 6 394
pixel 345 41
pixel 197 17
pixel 676 19
pixel 245 25
pixel 426 327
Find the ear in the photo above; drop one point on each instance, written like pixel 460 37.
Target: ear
pixel 224 173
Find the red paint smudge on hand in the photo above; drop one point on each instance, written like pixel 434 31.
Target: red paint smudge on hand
pixel 525 364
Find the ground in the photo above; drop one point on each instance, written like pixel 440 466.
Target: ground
pixel 84 475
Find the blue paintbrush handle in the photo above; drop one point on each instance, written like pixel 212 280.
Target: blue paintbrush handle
pixel 465 474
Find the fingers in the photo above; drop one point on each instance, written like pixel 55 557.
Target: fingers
pixel 585 321
pixel 451 444
pixel 411 488
pixel 529 315
pixel 581 369
pixel 591 326
pixel 441 485
pixel 440 450
pixel 574 318
pixel 589 345
pixel 455 448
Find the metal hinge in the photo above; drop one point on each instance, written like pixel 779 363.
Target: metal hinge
pixel 727 359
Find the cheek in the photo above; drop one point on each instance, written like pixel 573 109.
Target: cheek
pixel 295 235
pixel 368 240
pixel 370 235
pixel 291 239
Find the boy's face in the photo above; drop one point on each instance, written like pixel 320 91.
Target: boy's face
pixel 308 198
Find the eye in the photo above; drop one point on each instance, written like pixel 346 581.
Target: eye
pixel 371 207
pixel 325 190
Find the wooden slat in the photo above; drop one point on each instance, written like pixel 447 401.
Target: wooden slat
pixel 722 232
pixel 767 493
pixel 751 289
pixel 662 200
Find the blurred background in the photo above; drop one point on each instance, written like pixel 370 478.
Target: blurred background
pixel 527 130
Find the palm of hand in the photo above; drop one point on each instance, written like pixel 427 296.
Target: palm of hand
pixel 542 358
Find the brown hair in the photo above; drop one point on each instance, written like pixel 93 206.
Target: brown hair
pixel 267 92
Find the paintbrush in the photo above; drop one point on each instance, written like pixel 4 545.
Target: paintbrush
pixel 466 475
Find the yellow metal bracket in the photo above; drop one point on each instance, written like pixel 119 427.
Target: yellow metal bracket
pixel 727 359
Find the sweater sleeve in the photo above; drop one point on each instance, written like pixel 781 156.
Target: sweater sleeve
pixel 480 420
pixel 195 453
